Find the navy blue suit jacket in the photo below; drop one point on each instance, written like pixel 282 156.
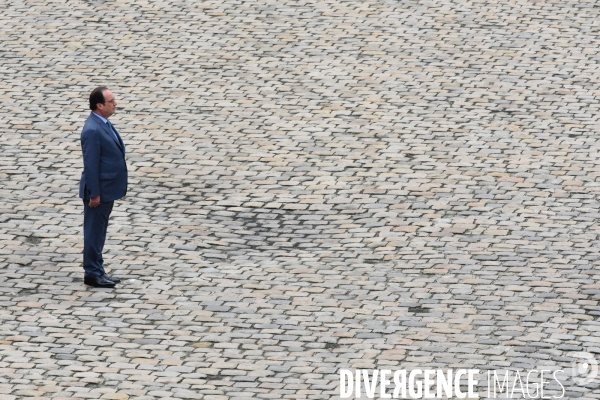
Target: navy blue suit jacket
pixel 104 169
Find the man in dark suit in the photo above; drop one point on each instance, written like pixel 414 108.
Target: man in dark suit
pixel 104 180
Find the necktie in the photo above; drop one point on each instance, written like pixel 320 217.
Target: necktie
pixel 113 131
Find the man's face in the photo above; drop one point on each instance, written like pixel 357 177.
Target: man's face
pixel 110 105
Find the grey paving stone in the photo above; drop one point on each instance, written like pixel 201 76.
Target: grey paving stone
pixel 302 176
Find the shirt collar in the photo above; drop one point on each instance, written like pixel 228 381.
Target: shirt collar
pixel 101 117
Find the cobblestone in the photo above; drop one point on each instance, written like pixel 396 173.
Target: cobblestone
pixel 313 186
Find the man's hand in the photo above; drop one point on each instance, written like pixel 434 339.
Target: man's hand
pixel 95 202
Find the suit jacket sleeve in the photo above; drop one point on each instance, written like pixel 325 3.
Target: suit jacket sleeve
pixel 90 146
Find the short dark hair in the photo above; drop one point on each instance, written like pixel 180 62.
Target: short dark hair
pixel 97 97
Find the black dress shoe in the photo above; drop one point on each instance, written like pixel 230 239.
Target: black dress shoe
pixel 112 278
pixel 101 282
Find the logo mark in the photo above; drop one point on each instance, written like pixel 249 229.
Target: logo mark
pixel 584 368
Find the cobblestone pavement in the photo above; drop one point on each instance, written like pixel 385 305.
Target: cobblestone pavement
pixel 314 185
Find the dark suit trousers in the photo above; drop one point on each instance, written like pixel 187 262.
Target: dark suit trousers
pixel 95 224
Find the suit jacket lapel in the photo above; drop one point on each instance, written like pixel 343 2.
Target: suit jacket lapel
pixel 117 140
pixel 120 141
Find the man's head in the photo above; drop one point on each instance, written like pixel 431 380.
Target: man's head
pixel 102 102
